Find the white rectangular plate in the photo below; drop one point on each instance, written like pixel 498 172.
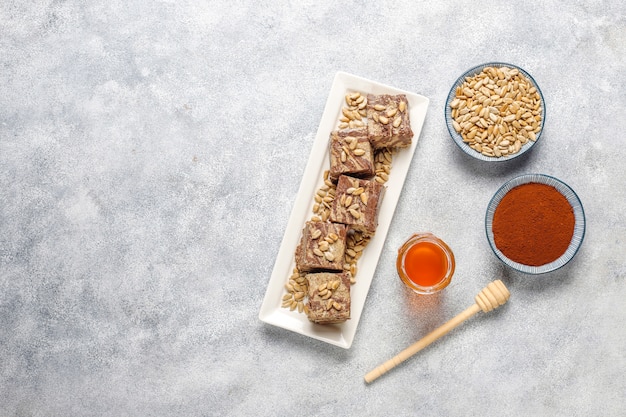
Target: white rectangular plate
pixel 271 311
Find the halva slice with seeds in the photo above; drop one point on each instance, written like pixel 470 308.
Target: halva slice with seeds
pixel 357 202
pixel 388 122
pixel 329 297
pixel 322 247
pixel 351 153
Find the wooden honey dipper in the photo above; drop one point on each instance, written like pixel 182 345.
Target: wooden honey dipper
pixel 491 297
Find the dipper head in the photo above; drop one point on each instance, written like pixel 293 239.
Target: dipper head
pixel 492 296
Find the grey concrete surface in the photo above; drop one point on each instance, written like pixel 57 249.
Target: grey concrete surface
pixel 151 152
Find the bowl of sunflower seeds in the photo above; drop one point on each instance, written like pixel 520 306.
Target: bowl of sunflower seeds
pixel 495 111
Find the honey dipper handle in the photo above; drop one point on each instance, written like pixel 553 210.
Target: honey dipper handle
pixel 491 297
pixel 422 343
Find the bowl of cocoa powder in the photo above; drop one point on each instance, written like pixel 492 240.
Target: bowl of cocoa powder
pixel 535 223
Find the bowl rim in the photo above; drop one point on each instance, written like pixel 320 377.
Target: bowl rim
pixel 579 221
pixel 459 140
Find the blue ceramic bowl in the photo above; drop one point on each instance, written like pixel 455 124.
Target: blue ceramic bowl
pixel 458 139
pixel 579 222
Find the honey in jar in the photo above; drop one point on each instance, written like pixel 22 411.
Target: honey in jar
pixel 425 263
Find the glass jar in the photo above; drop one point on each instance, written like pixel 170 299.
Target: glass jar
pixel 425 263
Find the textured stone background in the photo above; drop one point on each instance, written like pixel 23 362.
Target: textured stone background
pixel 150 154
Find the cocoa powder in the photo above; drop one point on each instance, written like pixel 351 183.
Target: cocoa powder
pixel 533 224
